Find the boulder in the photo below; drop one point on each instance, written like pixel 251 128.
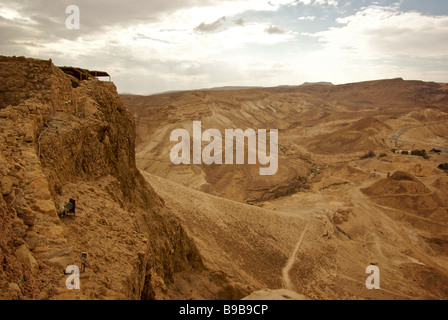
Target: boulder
pixel 39 187
pixel 59 262
pixel 32 240
pixel 29 133
pixel 7 185
pixel 12 290
pixel 28 216
pixel 24 255
pixel 44 206
pixel 18 228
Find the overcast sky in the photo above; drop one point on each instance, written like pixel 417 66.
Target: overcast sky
pixel 160 45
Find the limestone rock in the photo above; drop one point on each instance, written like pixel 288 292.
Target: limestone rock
pixel 32 240
pixel 18 228
pixel 29 133
pixel 59 262
pixel 7 185
pixel 24 255
pixel 40 188
pixel 11 290
pixel 28 216
pixel 44 206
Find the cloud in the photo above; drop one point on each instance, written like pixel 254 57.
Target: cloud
pixel 307 18
pixel 386 32
pixel 158 45
pixel 211 27
pixel 324 3
pixel 274 30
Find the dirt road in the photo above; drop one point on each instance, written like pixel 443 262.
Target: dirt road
pixel 287 284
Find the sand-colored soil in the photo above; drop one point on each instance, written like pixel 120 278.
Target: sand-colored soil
pixel 348 213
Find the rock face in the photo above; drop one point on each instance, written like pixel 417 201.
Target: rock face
pixel 53 151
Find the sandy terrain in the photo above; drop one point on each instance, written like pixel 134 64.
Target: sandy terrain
pixel 349 212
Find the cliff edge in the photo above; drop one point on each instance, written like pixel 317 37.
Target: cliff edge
pixel 62 138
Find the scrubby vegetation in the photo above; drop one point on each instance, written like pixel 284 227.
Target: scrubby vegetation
pixel 420 153
pixel 368 155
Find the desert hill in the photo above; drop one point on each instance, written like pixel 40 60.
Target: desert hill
pixel 321 83
pixel 403 191
pixel 360 135
pixel 219 110
pixel 388 94
pixel 399 183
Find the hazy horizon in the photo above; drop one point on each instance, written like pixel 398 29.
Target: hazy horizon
pixel 236 87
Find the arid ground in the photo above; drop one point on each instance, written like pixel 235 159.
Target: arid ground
pixel 342 199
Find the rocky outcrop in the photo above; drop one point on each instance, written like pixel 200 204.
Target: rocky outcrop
pixel 64 139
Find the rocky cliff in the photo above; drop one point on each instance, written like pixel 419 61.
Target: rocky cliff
pixel 63 139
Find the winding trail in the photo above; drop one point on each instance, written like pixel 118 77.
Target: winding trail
pixel 287 284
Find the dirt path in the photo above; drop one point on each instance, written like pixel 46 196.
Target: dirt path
pixel 287 284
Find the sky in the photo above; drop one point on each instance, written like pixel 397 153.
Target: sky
pixel 164 45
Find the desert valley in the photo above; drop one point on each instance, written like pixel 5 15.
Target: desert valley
pixel 355 201
pixel 361 181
